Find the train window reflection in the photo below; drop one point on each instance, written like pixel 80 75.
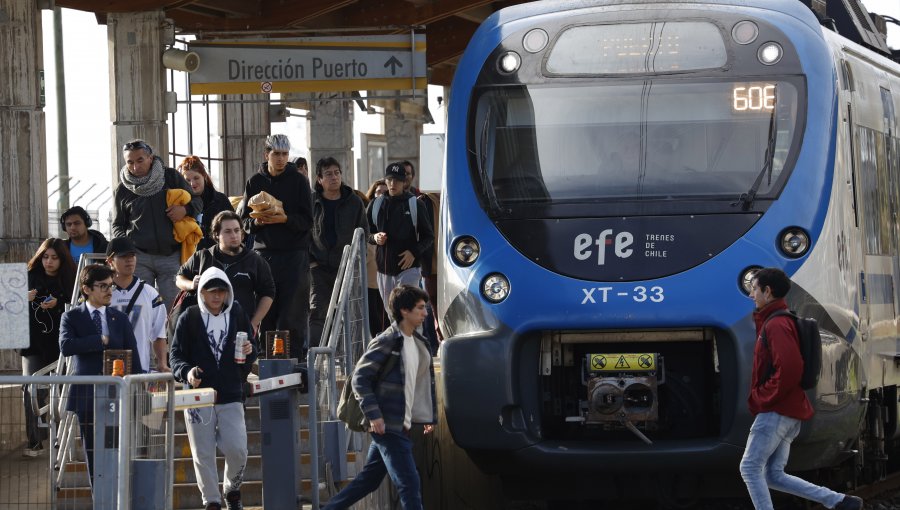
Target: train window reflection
pixel 646 140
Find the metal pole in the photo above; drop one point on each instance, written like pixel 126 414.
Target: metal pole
pixel 62 129
pixel 85 192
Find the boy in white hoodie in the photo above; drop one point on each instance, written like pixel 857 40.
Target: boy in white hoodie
pixel 202 355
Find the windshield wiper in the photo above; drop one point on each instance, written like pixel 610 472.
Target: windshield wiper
pixel 747 198
pixel 486 185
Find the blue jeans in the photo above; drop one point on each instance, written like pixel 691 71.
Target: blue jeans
pixel 764 459
pixel 389 453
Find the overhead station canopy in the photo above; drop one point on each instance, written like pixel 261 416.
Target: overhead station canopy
pixel 447 24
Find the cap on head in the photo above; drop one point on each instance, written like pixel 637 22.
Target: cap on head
pixel 215 283
pixel 278 143
pixel 395 171
pixel 120 246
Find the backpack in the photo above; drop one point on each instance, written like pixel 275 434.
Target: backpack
pixel 348 410
pixel 413 211
pixel 810 347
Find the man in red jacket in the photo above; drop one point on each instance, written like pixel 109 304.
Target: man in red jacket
pixel 778 402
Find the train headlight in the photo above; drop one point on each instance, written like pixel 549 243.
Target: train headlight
pixel 746 278
pixel 744 32
pixel 495 287
pixel 535 40
pixel 794 242
pixel 465 251
pixel 770 53
pixel 509 62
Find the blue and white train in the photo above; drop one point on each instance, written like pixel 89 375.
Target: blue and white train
pixel 614 171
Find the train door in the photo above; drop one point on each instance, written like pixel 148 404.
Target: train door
pixel 851 251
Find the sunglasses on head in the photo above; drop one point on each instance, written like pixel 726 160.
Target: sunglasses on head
pixel 130 146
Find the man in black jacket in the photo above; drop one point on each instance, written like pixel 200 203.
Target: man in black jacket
pixel 249 274
pixel 337 213
pixel 203 355
pixel 284 242
pixel 401 242
pixel 142 214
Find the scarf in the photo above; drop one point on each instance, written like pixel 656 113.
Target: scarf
pixel 148 185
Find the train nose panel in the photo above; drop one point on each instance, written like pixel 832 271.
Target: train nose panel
pixel 625 249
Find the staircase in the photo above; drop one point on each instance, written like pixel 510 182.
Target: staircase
pixel 186 495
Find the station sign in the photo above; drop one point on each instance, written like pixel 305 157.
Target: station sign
pixel 309 64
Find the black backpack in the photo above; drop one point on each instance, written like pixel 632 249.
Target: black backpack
pixel 810 347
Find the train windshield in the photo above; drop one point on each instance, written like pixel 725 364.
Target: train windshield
pixel 645 140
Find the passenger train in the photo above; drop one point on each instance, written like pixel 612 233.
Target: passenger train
pixel 615 171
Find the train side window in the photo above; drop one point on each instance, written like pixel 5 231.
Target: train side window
pixel 847 76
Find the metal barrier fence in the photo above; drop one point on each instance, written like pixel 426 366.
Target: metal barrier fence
pixel 108 442
pixel 347 333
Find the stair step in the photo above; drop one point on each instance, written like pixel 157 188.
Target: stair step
pixel 187 495
pixel 254 443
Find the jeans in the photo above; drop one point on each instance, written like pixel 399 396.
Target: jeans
pixel 322 286
pixel 160 271
pixel 764 459
pixel 387 282
pixel 31 364
pixel 290 310
pixel 390 453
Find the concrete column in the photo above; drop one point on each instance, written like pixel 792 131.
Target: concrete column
pixel 244 126
pixel 23 145
pixel 137 82
pixel 402 127
pixel 331 133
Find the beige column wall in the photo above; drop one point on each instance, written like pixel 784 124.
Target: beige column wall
pixel 244 126
pixel 331 133
pixel 137 83
pixel 23 145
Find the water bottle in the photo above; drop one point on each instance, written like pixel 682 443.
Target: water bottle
pixel 239 340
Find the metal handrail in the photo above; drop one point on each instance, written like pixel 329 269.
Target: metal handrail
pixel 337 331
pixel 125 410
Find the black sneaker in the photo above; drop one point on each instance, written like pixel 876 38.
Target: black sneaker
pixel 213 506
pixel 233 500
pixel 850 503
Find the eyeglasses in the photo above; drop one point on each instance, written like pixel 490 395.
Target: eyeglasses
pixel 331 173
pixel 104 286
pixel 130 146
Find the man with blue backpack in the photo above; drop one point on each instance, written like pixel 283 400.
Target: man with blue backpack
pixel 400 229
pixel 784 363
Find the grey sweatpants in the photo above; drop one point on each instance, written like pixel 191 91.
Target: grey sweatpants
pixel 223 426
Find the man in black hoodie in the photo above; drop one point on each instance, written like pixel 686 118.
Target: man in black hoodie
pixel 337 213
pixel 203 355
pixel 284 242
pixel 142 214
pixel 403 236
pixel 250 277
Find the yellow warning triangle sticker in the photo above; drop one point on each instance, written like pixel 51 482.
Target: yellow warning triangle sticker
pixel 622 363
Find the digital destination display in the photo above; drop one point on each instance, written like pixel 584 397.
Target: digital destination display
pixel 753 97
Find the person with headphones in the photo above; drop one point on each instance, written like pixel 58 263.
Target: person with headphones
pixel 76 222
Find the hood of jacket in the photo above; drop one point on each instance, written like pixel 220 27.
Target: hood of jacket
pixel 210 274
